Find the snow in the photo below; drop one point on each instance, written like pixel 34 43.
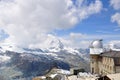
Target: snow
pixel 4 58
pixel 43 77
pixel 7 47
pixel 53 75
pixel 114 46
pixel 65 72
pixel 62 71
pixel 51 54
pixel 71 50
pixel 50 48
pixel 52 44
pixel 85 74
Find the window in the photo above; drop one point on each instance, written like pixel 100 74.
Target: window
pixel 92 70
pixel 117 61
pixel 92 62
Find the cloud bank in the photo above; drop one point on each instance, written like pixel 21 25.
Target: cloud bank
pixel 27 22
pixel 116 5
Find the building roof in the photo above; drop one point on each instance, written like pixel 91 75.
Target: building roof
pixel 112 54
pixel 114 76
pixel 97 44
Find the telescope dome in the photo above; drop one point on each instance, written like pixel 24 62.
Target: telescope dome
pixel 97 44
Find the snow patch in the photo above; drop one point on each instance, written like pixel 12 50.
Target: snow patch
pixel 70 50
pixel 4 58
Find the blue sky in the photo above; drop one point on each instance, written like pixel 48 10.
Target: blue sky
pixel 81 22
pixel 97 24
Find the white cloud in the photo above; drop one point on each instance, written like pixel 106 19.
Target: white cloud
pixel 114 44
pixel 78 40
pixel 84 12
pixel 28 21
pixel 102 31
pixel 76 35
pixel 115 4
pixel 116 18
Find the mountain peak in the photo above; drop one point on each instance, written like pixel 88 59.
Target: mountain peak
pixel 53 43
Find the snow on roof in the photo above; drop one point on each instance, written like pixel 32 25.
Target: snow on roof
pixel 114 76
pixel 84 74
pixel 61 71
pixel 53 75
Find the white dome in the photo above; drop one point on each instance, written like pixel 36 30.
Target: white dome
pixel 97 44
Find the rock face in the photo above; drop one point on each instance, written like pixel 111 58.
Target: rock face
pixel 25 63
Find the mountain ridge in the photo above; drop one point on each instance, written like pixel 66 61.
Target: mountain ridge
pixel 30 62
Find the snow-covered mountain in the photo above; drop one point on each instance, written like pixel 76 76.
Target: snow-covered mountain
pixel 17 62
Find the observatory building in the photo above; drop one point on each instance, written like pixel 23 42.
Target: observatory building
pixel 102 61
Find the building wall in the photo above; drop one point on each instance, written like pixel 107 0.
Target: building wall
pixel 100 67
pixel 94 64
pixel 117 63
pixel 108 65
pixel 117 69
pixel 103 65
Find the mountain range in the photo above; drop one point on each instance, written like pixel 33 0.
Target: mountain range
pixel 18 63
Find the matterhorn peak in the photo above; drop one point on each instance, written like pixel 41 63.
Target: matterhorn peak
pixel 53 43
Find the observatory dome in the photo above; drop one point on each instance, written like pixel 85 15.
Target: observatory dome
pixel 97 44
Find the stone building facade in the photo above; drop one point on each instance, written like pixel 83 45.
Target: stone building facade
pixel 103 62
